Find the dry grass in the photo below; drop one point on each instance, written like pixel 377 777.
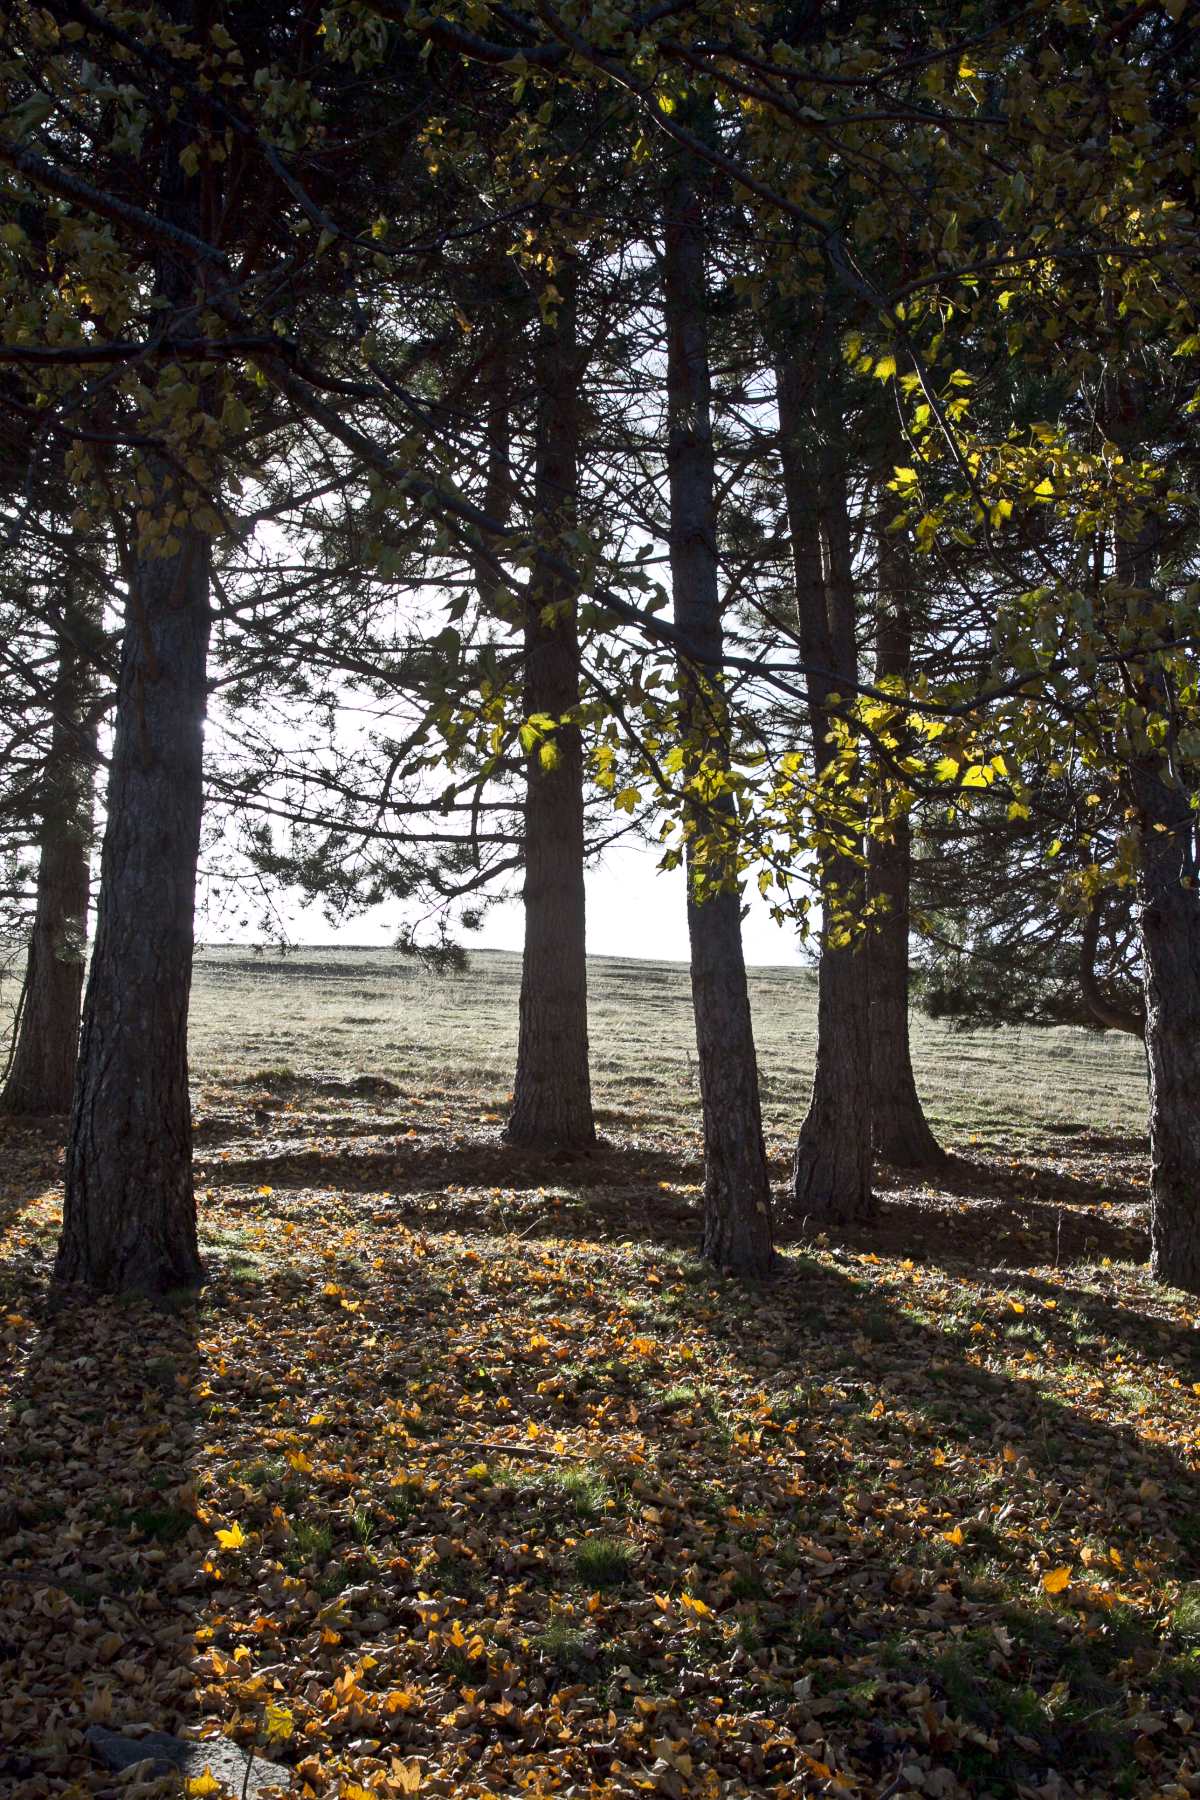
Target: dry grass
pixel 343 1013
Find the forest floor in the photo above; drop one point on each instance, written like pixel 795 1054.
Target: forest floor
pixel 461 1476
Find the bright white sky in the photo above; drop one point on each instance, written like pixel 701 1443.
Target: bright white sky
pixel 632 910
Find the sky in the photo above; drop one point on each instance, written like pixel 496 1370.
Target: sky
pixel 632 910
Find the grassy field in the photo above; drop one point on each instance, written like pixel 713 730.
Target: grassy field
pixel 351 1012
pixel 461 1477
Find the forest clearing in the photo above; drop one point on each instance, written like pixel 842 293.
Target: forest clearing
pixel 463 1470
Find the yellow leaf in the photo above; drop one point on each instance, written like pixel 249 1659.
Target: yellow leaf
pixel 202 1785
pixel 690 1604
pixel 955 1536
pixel 299 1461
pixel 885 368
pixel 278 1723
pixel 400 1700
pixel 1055 1580
pixel 233 1539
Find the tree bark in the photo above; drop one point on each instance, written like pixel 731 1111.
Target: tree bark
pixel 900 1132
pixel 129 1220
pixel 1169 884
pixel 129 1217
pixel 737 1194
pixel 552 1101
pixel 42 1073
pixel 831 1174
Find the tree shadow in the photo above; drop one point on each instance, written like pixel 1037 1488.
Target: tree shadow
pixel 944 1487
pixel 1014 1211
pixel 102 1562
pixel 31 1154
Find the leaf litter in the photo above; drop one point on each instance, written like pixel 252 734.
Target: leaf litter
pixel 457 1485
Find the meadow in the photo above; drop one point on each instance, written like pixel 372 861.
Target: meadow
pixel 349 1012
pixel 462 1476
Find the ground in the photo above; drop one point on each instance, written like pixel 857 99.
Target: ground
pixel 463 1476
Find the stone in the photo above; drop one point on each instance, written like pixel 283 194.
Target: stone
pixel 190 1757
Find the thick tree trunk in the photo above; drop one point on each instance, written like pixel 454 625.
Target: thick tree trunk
pixel 129 1221
pixel 831 1176
pixel 900 1133
pixel 552 1100
pixel 1169 930
pixel 42 1073
pixel 1169 883
pixel 129 1218
pixel 737 1194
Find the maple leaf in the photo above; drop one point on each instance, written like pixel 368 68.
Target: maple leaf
pixel 233 1538
pixel 1055 1580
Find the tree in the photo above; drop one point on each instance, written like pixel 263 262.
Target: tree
pixel 831 1176
pixel 41 1074
pixel 737 1195
pixel 900 1132
pixel 552 1104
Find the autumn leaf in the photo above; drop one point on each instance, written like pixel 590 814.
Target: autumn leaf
pixel 233 1538
pixel 200 1787
pixel 278 1722
pixel 1055 1580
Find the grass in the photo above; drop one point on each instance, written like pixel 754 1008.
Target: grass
pixel 285 1020
pixel 602 1562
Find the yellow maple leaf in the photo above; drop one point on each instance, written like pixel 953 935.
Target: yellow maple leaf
pixel 233 1539
pixel 1055 1580
pixel 955 1536
pixel 690 1604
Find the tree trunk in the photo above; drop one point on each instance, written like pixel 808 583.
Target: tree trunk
pixel 737 1193
pixel 129 1218
pixel 900 1133
pixel 1169 928
pixel 552 1100
pixel 42 1073
pixel 129 1221
pixel 1169 881
pixel 831 1175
